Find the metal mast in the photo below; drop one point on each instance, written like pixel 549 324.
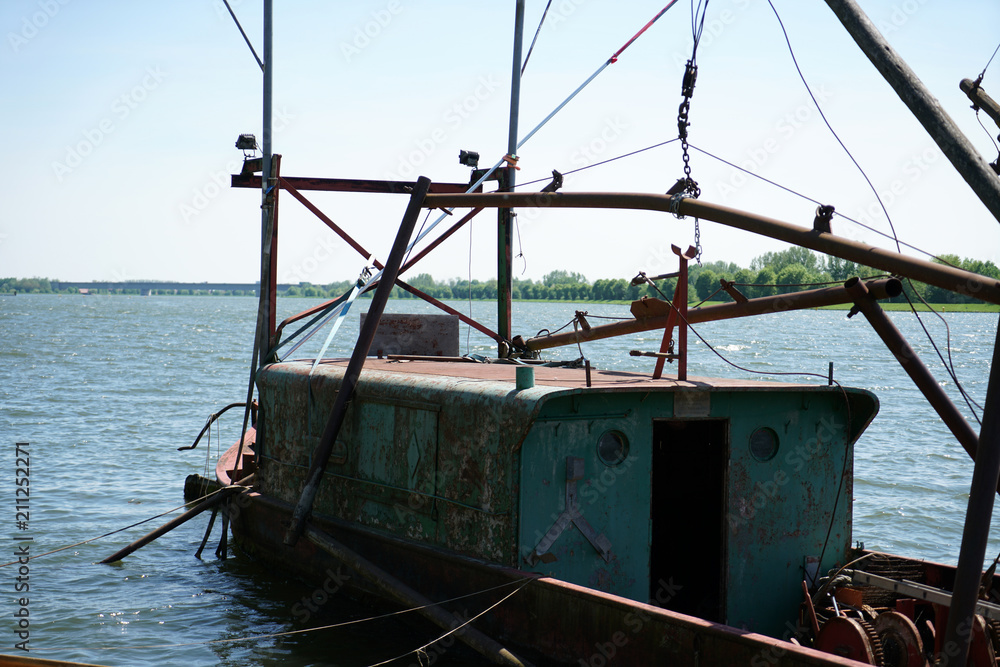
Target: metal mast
pixel 505 216
pixel 266 313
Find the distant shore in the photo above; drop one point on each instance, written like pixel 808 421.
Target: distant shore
pixel 886 305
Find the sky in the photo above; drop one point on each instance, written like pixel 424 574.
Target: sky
pixel 120 121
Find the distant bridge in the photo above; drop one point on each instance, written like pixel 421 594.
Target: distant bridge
pixel 145 288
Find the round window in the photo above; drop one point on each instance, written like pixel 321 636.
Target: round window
pixel 612 448
pixel 763 444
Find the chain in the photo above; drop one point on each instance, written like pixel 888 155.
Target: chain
pixel 690 185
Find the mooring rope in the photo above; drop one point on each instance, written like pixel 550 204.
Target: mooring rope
pixel 457 628
pixel 287 633
pixel 118 530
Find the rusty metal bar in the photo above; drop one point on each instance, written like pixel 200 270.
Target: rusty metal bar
pixel 977 522
pixel 329 223
pixel 677 317
pixel 731 290
pixel 360 249
pixel 439 240
pixel 352 374
pixel 946 277
pixel 448 309
pixel 827 296
pixel 207 503
pixel 409 288
pixel 402 593
pixel 924 106
pixel 914 367
pixel 304 314
pixel 347 185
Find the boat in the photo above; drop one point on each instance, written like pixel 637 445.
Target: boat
pixel 592 516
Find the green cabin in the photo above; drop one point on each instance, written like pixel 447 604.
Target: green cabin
pixel 708 497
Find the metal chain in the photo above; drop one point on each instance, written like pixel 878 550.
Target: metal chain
pixel 690 185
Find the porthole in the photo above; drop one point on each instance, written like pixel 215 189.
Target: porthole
pixel 612 448
pixel 763 444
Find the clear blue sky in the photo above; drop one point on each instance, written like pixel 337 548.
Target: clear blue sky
pixel 120 119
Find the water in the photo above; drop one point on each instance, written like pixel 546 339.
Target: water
pixel 106 388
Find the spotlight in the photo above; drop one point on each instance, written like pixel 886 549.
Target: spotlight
pixel 247 142
pixel 468 158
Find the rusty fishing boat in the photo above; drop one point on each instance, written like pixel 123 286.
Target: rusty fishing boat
pixel 601 516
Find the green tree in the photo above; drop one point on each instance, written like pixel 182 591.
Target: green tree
pixel 777 261
pixel 794 275
pixel 765 282
pixel 706 283
pixel 563 278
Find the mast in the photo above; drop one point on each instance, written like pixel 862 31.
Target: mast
pixel 943 130
pixel 505 216
pixel 266 312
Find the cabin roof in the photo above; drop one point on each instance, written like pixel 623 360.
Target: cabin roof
pixel 557 377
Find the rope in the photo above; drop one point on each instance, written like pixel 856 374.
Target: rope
pixel 316 629
pixel 455 629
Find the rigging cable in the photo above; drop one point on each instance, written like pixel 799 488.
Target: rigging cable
pixel 829 126
pixel 818 203
pixel 950 369
pixel 457 627
pixel 983 73
pixel 372 280
pixel 535 38
pixel 247 39
pixel 602 162
pixel 229 640
pixel 988 133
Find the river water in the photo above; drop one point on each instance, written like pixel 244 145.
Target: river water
pixel 105 388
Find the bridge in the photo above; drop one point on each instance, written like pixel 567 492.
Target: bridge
pixel 147 287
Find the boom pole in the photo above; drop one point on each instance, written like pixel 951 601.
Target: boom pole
pixel 924 106
pixel 943 276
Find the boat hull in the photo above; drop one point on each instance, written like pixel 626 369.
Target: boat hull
pixel 561 622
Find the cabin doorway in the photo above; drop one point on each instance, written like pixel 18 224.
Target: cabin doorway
pixel 687 555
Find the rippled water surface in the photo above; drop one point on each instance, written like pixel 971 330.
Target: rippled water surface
pixel 106 388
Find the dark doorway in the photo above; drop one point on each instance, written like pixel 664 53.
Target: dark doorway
pixel 688 520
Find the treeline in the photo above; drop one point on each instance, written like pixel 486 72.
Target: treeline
pixel 45 286
pixel 791 270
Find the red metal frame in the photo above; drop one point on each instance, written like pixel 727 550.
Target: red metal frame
pixel 351 185
pixel 677 317
pixel 293 186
